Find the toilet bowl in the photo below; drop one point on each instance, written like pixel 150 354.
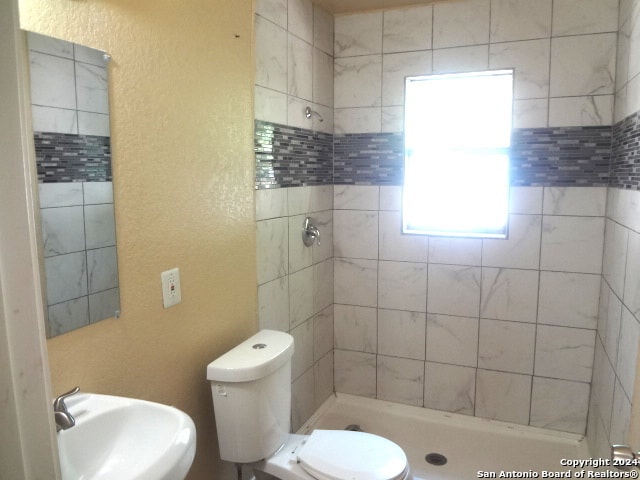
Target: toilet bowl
pixel 251 389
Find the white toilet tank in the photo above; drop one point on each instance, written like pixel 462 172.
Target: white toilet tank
pixel 251 388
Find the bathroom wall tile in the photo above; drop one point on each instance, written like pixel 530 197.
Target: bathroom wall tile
pixel 52 81
pixel 52 119
pixel 302 399
pixel 104 304
pixel 569 299
pixel 575 17
pixel 564 353
pixel 509 294
pixel 461 59
pixel 583 65
pixel 350 197
pixel 92 88
pixel 584 201
pixel 622 54
pixel 407 29
pixel 401 334
pixel 321 197
pixel 454 290
pixel 300 256
pixel 62 230
pixel 270 106
pixel 390 198
pixel 602 387
pixel 102 269
pixel 273 249
pixel 271 55
pixel 559 405
pixel 450 388
pixel 455 251
pixel 581 111
pixel 322 285
pixel 358 81
pixel 527 200
pixel 452 340
pixel 271 203
pixel 355 328
pixel 323 323
pixel 572 244
pixel 50 45
pixel 532 113
pixel 620 416
pixel 355 282
pixel 89 55
pixel 530 59
pixel 396 67
pixel 355 373
pixel 324 222
pixel 99 225
pixel 402 285
pixel 300 68
pixel 66 277
pixel 302 358
pixel 520 20
pixel 609 318
pixel 296 115
pixel 634 41
pixel 521 249
pixel 392 119
pixel 322 78
pixel 396 246
pixel 616 239
pixel 503 396
pixel 300 19
pixel 633 95
pixel 67 316
pixel 273 304
pixel 323 373
pixel 400 380
pixel 97 192
pixel 323 23
pixel 627 351
pixel 355 234
pixel 274 10
pixel 324 124
pixel 300 296
pixel 506 346
pixel 358 34
pixel 460 24
pixel 620 105
pixel 358 120
pixel 625 208
pixel 60 194
pixel 632 279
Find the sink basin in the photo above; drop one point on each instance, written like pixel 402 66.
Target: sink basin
pixel 125 439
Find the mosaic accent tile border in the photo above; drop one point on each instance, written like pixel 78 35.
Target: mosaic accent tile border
pixel 625 161
pixel 368 159
pixel 63 157
pixel 291 157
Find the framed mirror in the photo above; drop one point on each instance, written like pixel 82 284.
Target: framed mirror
pixel 70 108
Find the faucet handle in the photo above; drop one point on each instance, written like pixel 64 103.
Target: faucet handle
pixel 58 403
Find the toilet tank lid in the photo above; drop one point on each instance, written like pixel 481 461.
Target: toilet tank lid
pixel 255 358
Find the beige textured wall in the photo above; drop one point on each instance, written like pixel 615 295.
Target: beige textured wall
pixel 181 87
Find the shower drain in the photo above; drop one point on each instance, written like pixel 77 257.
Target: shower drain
pixel 436 459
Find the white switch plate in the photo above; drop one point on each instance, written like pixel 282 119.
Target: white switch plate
pixel 171 294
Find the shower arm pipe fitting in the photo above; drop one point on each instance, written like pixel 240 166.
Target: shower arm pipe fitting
pixel 310 113
pixel 310 233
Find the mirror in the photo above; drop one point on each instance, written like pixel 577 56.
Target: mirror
pixel 70 108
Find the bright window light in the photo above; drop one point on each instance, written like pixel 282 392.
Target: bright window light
pixel 457 139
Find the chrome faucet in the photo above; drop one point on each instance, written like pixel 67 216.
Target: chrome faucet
pixel 310 233
pixel 64 419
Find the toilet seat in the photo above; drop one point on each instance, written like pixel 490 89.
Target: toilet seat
pixel 348 455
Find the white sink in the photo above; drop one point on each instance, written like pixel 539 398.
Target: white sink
pixel 125 439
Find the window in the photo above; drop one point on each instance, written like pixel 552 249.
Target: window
pixel 457 139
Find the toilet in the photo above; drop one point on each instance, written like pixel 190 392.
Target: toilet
pixel 251 389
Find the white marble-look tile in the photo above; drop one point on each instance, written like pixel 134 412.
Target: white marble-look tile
pixel 572 244
pixel 323 27
pixel 67 316
pixel 401 334
pixel 273 305
pixel 324 124
pixel 271 203
pixel 271 55
pixel 355 234
pixel 390 198
pixel 300 19
pixel 569 299
pixel 104 304
pixel 322 285
pixel 321 197
pixel 358 34
pixel 461 59
pixel 100 227
pixel 455 251
pixel 521 249
pixel 581 111
pixel 392 119
pixel 272 249
pixel 274 10
pixel 400 380
pixel 530 59
pixel 302 358
pixel 52 46
pixel 559 405
pixel 300 256
pixel 90 55
pixel 300 68
pixel 355 282
pixel 458 24
pixel 62 230
pixel 452 340
pixel 270 106
pixel 620 416
pixel 576 17
pixel 634 41
pixel 93 124
pixel 60 194
pixel 358 120
pixel 506 346
pixel 323 373
pixel 623 206
pixel 300 296
pixel 358 81
pixel 503 396
pixel 525 200
pixel 622 54
pixel 531 113
pixel 355 328
pixel 299 200
pixel 583 65
pixel 66 277
pixel 92 88
pixel 628 351
pixel 583 201
pixel 407 29
pixel 355 373
pixel 402 286
pixel 609 318
pixel 564 353
pixel 97 192
pixel 393 245
pixel 324 222
pixel 302 399
pixel 322 78
pixel 616 239
pixel 509 294
pixel 52 119
pixel 602 386
pixel 454 290
pixel 620 105
pixel 520 20
pixel 633 94
pixel 323 327
pixel 396 67
pixel 102 269
pixel 450 388
pixel 632 278
pixel 355 197
pixel 52 81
